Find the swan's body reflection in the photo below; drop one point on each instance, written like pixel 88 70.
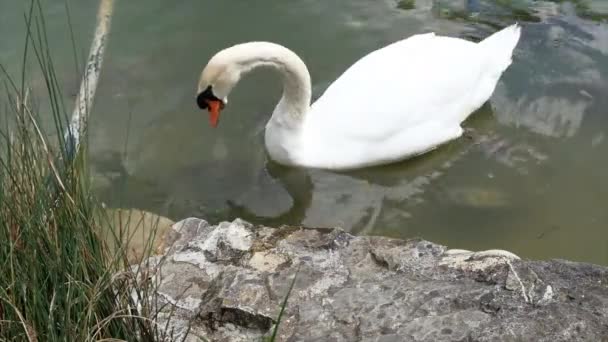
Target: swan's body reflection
pixel 354 200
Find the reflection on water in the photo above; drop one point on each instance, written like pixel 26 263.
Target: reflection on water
pixel 528 177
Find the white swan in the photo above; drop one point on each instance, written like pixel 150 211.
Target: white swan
pixel 397 102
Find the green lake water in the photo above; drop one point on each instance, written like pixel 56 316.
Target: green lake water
pixel 532 178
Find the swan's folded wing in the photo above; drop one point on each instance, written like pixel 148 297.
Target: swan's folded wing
pixel 406 84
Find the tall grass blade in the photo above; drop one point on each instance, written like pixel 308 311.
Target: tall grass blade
pixel 60 279
pixel 283 306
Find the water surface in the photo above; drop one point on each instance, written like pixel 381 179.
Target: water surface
pixel 531 178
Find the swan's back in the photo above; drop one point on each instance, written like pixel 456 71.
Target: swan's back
pixel 416 84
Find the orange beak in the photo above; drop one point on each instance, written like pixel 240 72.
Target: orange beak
pixel 214 112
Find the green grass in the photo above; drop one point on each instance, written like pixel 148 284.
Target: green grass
pixel 277 324
pixel 59 281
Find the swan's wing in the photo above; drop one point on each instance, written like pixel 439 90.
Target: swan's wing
pixel 408 83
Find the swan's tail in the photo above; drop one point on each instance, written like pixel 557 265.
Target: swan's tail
pixel 495 57
pixel 500 45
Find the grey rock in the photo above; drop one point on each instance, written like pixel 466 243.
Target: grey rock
pixel 227 283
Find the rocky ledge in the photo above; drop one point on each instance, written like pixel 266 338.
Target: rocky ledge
pixel 227 283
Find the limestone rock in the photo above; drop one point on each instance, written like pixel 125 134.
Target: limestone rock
pixel 227 282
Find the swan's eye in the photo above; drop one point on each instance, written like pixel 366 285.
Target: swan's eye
pixel 202 104
pixel 204 97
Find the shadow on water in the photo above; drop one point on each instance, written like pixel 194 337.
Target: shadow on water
pixel 298 185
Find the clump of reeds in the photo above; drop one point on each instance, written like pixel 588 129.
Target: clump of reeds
pixel 59 281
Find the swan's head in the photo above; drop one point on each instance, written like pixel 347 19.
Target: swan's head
pixel 216 81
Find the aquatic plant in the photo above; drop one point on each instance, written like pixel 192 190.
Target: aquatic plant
pixel 502 12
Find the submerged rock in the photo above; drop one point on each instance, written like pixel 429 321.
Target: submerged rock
pixel 137 230
pixel 227 283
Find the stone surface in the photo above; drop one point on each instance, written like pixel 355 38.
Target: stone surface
pixel 227 283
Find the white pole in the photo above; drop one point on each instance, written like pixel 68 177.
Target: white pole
pixel 88 85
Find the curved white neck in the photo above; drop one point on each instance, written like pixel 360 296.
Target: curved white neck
pixel 295 102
